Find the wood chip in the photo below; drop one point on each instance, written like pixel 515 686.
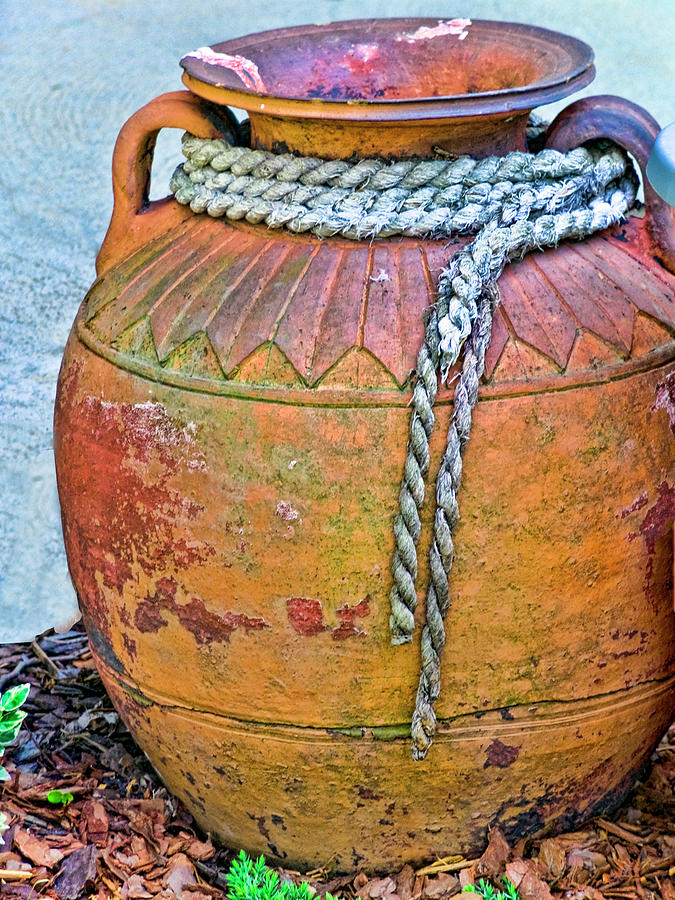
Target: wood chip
pixel 496 854
pixel 36 850
pixel 523 874
pixel 78 874
pixel 442 885
pixel 180 872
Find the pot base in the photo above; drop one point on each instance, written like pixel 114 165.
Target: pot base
pixel 524 769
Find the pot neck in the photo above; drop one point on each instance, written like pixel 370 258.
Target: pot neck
pixel 478 136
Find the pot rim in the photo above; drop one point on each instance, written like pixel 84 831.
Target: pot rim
pixel 565 65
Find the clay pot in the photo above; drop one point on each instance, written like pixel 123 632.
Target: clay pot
pixel 230 432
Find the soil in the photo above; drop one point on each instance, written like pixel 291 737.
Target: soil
pixel 122 835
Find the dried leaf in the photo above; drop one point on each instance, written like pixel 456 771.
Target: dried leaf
pixel 18 892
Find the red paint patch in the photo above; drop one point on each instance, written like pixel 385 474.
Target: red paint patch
pixel 148 616
pixel 305 615
pixel 205 626
pixel 347 614
pixel 119 508
pixel 655 524
pixel 665 398
pixel 500 755
pixel 129 645
pixel 638 503
pixel 367 794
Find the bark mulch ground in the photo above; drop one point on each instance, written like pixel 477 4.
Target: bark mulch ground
pixel 124 836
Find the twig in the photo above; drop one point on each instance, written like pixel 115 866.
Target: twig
pixel 10 676
pixel 620 832
pixel 203 888
pixel 15 874
pixel 212 874
pixel 319 873
pixel 42 656
pixel 634 829
pixel 649 867
pixel 441 865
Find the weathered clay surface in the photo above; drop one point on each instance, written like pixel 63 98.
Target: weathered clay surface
pixel 256 784
pixel 244 528
pixel 231 427
pixel 194 493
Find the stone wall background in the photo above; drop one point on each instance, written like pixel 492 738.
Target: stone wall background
pixel 72 72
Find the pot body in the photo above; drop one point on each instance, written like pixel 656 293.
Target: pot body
pixel 230 432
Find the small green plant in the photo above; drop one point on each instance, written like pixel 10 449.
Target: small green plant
pixel 485 890
pixel 62 797
pixel 11 718
pixel 249 880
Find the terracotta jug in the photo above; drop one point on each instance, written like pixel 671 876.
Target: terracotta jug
pixel 230 431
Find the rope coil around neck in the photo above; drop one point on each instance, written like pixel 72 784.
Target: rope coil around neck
pixel 513 204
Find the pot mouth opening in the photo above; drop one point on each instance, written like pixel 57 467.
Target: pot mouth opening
pixel 485 65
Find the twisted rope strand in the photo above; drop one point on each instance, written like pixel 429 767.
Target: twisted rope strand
pixel 472 272
pixel 513 204
pixel 442 551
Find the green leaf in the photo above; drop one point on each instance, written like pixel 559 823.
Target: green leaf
pixel 488 892
pixel 6 737
pixel 4 774
pixel 9 719
pixel 15 697
pixel 4 822
pixel 63 797
pixel 254 880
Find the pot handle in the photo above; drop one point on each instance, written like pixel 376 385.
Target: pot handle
pixel 135 220
pixel 634 129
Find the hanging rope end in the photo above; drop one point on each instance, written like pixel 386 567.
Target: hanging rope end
pixel 401 633
pixel 398 639
pixel 421 738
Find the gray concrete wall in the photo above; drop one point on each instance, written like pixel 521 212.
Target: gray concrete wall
pixel 72 73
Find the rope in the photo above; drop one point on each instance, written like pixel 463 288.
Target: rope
pixel 513 204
